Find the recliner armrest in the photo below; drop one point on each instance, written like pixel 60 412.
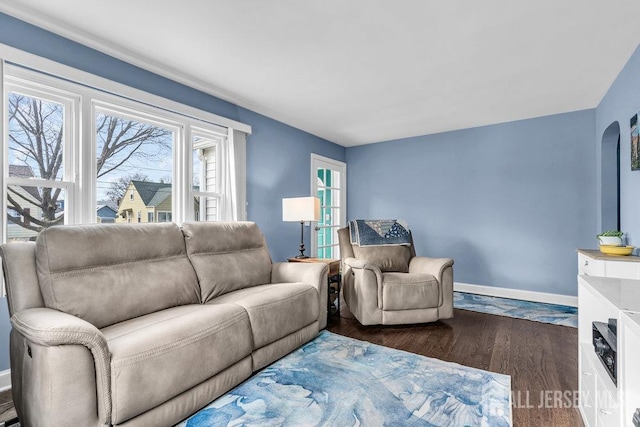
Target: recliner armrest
pixel 362 264
pixel 48 327
pixel 432 266
pixel 363 270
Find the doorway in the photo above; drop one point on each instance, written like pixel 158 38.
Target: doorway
pixel 329 184
pixel 610 178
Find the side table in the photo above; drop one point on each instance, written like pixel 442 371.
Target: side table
pixel 334 280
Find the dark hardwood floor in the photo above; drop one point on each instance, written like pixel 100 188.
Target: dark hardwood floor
pixel 7 412
pixel 541 359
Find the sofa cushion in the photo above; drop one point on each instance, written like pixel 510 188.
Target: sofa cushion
pixel 227 256
pixel 387 258
pixel 275 310
pixel 160 355
pixel 108 273
pixel 406 291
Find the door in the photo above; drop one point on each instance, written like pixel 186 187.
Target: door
pixel 329 183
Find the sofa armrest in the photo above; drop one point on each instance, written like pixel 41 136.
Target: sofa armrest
pixel 307 272
pixel 50 328
pixel 432 266
pixel 315 274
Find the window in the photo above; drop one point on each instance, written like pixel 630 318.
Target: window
pixel 134 153
pixel 39 138
pixel 74 149
pixel 164 216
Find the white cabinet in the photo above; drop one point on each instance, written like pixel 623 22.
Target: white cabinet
pixel 595 263
pixel 629 350
pixel 602 402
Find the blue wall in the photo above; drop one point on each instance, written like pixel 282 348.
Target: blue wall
pixel 510 203
pixel 620 103
pixel 280 163
pixel 278 155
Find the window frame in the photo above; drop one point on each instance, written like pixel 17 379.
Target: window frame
pixel 16 83
pixel 148 115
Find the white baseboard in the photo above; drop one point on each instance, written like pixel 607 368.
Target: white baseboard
pixel 5 380
pixel 516 294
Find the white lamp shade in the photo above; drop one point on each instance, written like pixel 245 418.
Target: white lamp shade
pixel 299 209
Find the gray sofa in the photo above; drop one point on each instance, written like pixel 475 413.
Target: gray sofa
pixel 140 325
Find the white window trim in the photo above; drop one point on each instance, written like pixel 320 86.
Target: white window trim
pixel 17 56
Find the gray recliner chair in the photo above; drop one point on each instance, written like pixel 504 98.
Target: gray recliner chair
pixel 390 285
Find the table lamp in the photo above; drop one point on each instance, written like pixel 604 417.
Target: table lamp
pixel 301 209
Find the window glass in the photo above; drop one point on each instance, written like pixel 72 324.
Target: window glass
pixel 32 209
pixel 329 188
pixel 133 157
pixel 36 159
pixel 36 137
pixel 205 180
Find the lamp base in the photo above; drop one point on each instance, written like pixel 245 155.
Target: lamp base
pixel 302 255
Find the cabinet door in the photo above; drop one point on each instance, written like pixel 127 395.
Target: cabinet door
pixel 607 408
pixel 629 368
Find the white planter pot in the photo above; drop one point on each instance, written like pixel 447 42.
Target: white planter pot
pixel 615 241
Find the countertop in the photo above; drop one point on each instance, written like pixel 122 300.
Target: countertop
pixel 596 254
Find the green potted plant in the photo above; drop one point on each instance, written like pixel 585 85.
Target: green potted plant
pixel 611 237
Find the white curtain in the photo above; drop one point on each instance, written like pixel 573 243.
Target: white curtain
pixel 234 207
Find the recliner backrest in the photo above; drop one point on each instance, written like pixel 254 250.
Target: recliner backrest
pixel 109 273
pixel 394 258
pixel 227 256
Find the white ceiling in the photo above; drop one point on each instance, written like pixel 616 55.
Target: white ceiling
pixel 362 71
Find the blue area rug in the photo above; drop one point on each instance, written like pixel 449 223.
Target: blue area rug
pixel 339 381
pixel 536 311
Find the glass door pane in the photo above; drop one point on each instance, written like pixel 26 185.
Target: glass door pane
pixel 328 181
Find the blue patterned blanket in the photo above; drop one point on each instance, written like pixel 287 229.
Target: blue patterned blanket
pixel 378 232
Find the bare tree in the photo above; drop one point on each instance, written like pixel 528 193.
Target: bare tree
pixel 118 188
pixel 121 140
pixel 36 140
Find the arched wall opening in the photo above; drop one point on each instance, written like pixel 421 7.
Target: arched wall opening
pixel 610 178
